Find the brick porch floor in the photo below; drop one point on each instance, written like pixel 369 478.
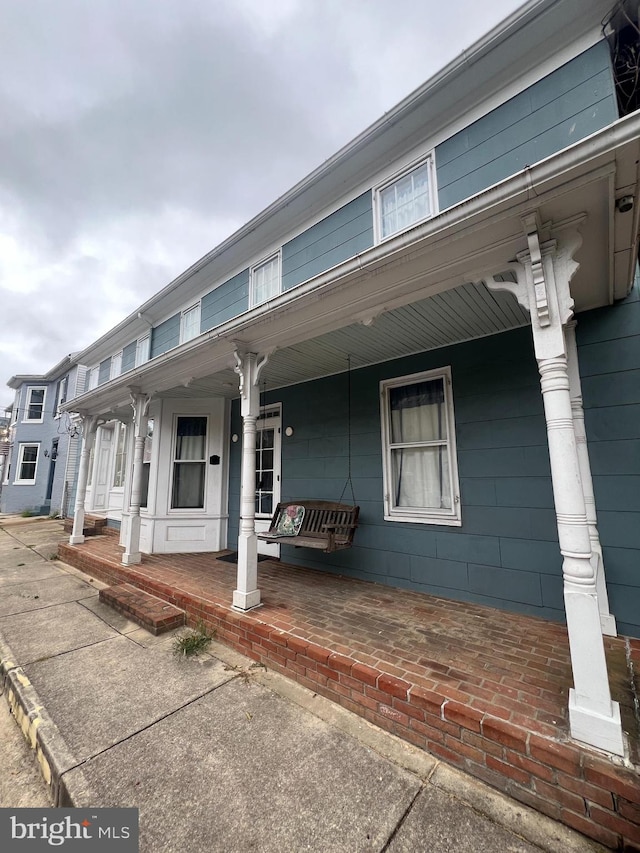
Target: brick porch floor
pixel 482 689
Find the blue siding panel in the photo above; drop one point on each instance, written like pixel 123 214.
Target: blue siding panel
pixel 225 302
pixel 165 336
pixel 567 105
pixel 339 236
pixel 104 370
pixel 129 356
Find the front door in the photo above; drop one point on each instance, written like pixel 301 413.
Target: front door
pixel 53 455
pixel 268 463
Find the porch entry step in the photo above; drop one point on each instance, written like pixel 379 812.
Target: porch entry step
pixel 152 613
pixel 94 525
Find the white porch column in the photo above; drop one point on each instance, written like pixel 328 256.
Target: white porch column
pixel 140 406
pixel 607 619
pixel 543 288
pixel 89 426
pixel 247 594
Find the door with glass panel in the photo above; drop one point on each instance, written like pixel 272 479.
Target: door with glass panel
pixel 268 463
pixel 102 469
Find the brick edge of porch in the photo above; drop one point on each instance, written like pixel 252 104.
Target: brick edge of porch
pixel 561 779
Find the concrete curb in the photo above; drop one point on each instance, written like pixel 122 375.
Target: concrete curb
pixel 43 736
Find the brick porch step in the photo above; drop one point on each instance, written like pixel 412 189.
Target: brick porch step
pixel 94 525
pixel 154 614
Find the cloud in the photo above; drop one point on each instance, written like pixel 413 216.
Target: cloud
pixel 136 136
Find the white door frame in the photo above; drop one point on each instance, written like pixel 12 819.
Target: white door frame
pixel 270 419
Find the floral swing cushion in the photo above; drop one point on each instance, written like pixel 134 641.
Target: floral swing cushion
pixel 290 521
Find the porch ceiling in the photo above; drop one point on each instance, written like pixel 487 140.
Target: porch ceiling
pixel 468 312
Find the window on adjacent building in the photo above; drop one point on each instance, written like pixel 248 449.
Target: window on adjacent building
pixel 143 348
pixel 27 464
pixel 190 323
pixel 34 409
pixel 420 467
pixel 406 200
pixel 61 394
pixel 120 456
pixel 116 365
pixel 189 463
pixel 265 280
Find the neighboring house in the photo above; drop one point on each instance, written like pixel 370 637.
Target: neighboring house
pixel 5 424
pixel 445 255
pixel 42 458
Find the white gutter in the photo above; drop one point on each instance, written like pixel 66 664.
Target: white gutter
pixel 624 131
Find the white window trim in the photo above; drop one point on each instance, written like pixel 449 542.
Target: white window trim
pixel 183 339
pixel 116 359
pixel 428 515
pixel 93 375
pixel 64 382
pixel 277 255
pixel 178 511
pixel 26 419
pixel 21 449
pixel 429 159
pixel 143 349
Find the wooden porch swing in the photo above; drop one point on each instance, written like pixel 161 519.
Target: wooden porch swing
pixel 326 526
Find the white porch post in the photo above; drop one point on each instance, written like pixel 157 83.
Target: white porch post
pixel 607 619
pixel 140 406
pixel 89 426
pixel 247 594
pixel 543 288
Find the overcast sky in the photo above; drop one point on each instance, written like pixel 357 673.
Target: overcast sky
pixel 135 135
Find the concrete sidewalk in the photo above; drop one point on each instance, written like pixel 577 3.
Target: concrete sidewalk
pixel 217 753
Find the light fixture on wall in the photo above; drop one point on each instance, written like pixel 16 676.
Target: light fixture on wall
pixel 288 431
pixel 624 204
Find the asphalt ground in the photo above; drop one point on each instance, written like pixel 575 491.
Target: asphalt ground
pixel 217 753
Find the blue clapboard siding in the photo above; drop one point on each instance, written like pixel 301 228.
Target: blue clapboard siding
pixel 567 105
pixel 337 237
pixel 609 347
pixel 129 356
pixel 225 302
pixel 506 553
pixel 165 336
pixel 104 371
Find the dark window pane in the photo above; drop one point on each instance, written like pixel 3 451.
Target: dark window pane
pixel 191 436
pixel 188 485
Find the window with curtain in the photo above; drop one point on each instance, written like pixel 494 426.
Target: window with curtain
pixel 190 323
pixel 146 464
pixel 265 280
pixel 405 201
pixel 189 463
pixel 420 470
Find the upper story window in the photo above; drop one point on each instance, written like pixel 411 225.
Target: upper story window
pixel 61 394
pixel 418 435
pixel 265 280
pixel 190 323
pixel 116 365
pixel 27 464
pixel 406 200
pixel 143 348
pixel 34 408
pixel 93 378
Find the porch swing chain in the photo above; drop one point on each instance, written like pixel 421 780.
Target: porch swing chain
pixel 349 481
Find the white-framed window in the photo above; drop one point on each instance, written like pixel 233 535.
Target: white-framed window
pixel 405 200
pixel 34 406
pixel 116 365
pixel 190 323
pixel 61 394
pixel 189 462
pixel 27 464
pixel 419 448
pixel 120 461
pixel 265 280
pixel 143 349
pixel 146 464
pixel 7 466
pixel 93 378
